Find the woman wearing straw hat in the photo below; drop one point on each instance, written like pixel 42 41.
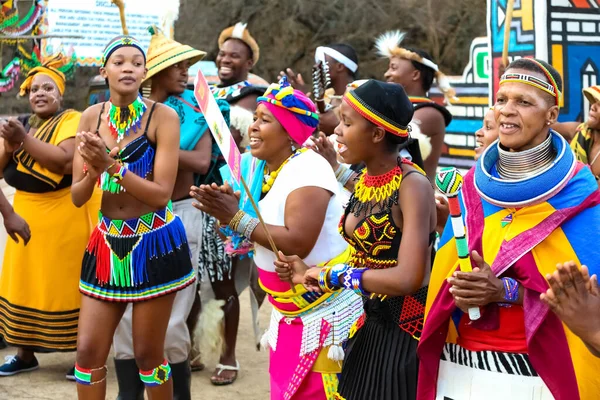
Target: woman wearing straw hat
pixel 586 142
pixel 168 63
pixel 39 302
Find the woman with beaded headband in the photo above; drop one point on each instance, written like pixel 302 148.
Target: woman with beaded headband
pixel 527 204
pixel 40 272
pixel 138 253
pixel 297 195
pixel 389 222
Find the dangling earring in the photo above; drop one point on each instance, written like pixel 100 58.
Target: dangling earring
pixel 293 147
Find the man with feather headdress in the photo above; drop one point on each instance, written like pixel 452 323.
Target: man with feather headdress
pixel 414 70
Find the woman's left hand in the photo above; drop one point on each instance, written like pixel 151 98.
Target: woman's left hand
pixel 13 131
pixel 478 288
pixel 93 151
pixel 219 201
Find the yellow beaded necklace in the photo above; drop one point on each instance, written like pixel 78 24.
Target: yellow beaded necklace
pixel 270 177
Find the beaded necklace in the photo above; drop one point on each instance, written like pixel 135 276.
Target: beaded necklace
pixel 270 177
pixel 121 120
pixel 383 189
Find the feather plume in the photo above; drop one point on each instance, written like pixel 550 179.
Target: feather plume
pixel 445 87
pixel 387 42
pixel 238 30
pixel 424 140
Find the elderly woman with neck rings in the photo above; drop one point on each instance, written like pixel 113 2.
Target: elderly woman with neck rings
pixel 528 203
pixel 40 274
pixel 138 253
pixel 389 222
pixel 296 192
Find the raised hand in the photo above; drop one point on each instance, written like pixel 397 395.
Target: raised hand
pixel 13 132
pixel 219 201
pixel 574 297
pixel 295 80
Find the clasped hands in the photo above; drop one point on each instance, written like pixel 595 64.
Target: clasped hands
pixel 13 132
pixel 92 149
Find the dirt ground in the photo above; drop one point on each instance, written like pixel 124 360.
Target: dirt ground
pixel 49 383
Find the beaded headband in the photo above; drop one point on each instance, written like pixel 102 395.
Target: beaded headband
pixel 373 116
pixel 122 41
pixel 281 91
pixel 550 88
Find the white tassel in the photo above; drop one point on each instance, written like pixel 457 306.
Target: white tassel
pixel 209 331
pixel 387 42
pixel 424 140
pixel 264 341
pixel 238 30
pixel 335 353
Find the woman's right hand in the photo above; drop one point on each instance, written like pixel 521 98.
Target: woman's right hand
pixel 290 269
pixel 443 211
pixel 295 80
pixel 16 226
pixel 324 147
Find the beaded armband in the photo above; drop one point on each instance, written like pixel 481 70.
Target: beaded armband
pixel 353 280
pixel 243 223
pixel 337 271
pixel 511 290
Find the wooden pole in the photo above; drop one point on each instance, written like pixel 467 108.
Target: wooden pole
pixel 510 5
pixel 263 224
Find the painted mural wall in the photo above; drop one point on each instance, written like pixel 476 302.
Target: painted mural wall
pixel 565 33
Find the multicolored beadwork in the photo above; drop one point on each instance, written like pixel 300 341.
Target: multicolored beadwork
pixel 511 289
pixel 157 376
pixel 121 120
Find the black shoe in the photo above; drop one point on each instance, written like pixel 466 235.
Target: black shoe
pixel 128 377
pixel 71 375
pixel 182 381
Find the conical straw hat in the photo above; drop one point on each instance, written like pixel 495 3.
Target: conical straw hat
pixel 164 52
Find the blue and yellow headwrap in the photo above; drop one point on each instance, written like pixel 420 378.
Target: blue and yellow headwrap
pixel 294 111
pixel 117 43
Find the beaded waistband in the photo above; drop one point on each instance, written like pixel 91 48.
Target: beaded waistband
pixel 136 226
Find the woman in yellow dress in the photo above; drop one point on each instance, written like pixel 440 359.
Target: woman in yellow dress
pixel 39 285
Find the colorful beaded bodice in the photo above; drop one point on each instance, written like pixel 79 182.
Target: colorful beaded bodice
pixel 376 241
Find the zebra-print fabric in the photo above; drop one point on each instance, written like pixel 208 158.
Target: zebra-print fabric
pixel 494 361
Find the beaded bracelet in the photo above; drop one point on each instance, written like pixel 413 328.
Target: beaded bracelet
pixel 353 281
pixel 235 221
pixel 246 225
pixel 249 227
pixel 335 273
pixel 511 289
pixel 119 174
pixel 323 273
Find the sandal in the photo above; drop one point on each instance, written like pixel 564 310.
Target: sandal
pixel 222 368
pixel 196 363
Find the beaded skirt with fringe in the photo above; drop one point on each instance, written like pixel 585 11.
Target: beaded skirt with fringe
pixel 381 358
pixel 137 259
